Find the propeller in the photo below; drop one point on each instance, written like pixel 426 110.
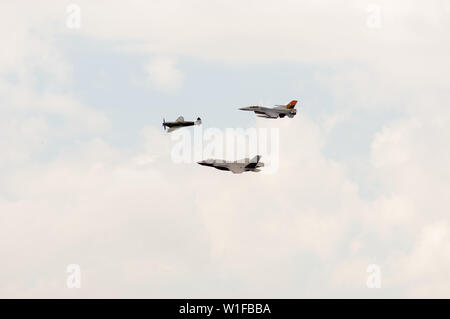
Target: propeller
pixel 164 124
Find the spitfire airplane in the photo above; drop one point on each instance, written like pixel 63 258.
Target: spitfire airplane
pixel 180 122
pixel 236 167
pixel 275 112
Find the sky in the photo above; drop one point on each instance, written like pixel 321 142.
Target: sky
pixel 87 175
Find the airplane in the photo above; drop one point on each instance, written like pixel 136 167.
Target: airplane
pixel 236 167
pixel 180 122
pixel 275 112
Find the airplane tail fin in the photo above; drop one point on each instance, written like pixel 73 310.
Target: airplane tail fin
pixel 291 104
pixel 254 162
pixel 198 121
pixel 255 159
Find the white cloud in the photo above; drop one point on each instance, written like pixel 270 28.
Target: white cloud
pixel 153 230
pixel 33 73
pixel 163 74
pixel 141 226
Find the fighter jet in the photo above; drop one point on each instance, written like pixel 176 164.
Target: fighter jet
pixel 275 112
pixel 237 167
pixel 180 122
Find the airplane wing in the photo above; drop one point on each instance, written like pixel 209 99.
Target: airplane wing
pixel 268 114
pixel 172 129
pixel 268 117
pixel 253 162
pixel 235 169
pixel 180 119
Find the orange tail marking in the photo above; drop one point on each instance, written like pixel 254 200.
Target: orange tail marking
pixel 291 104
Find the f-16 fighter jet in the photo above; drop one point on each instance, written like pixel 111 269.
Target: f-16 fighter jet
pixel 275 112
pixel 237 167
pixel 180 122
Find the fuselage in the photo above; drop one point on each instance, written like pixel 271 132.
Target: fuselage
pixel 236 167
pixel 178 124
pixel 278 111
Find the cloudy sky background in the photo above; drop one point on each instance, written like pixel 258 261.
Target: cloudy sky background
pixel 86 175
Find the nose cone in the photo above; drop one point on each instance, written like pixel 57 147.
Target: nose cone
pixel 247 108
pixel 205 163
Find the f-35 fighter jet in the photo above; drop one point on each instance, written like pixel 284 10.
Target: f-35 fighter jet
pixel 237 167
pixel 180 122
pixel 273 112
